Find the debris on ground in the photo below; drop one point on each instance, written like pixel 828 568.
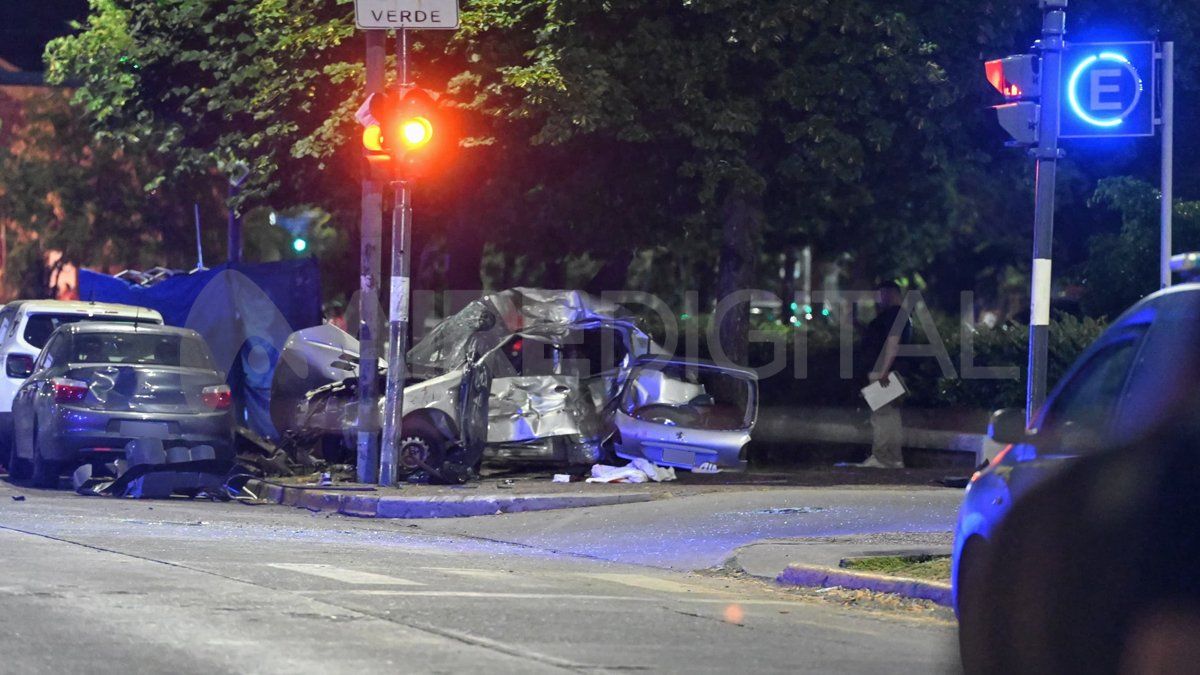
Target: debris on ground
pixel 150 471
pixel 637 471
pixel 18 498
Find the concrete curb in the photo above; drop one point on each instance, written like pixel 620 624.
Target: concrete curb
pixel 823 577
pixel 374 506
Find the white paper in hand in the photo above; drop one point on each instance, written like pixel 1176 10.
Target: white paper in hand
pixel 883 392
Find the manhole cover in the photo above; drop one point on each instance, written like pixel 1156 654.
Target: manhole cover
pixel 789 511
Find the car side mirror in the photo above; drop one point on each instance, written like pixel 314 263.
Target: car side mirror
pixel 19 365
pixel 1008 426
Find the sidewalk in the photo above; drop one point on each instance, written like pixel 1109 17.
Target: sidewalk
pixel 923 428
pixel 816 562
pixel 510 492
pixel 430 501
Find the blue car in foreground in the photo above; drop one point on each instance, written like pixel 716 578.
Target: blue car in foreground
pixel 1139 373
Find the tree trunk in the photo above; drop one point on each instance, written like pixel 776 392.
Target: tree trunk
pixel 465 247
pixel 787 285
pixel 742 222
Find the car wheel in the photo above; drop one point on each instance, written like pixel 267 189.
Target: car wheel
pixel 421 446
pixel 45 471
pixel 972 634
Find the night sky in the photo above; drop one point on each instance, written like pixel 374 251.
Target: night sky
pixel 26 27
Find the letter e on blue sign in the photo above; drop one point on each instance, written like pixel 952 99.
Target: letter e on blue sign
pixel 1108 90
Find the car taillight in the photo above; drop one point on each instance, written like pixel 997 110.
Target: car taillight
pixel 994 461
pixel 68 391
pixel 218 397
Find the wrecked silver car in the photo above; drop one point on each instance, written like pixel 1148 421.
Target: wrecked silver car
pixel 520 375
pixel 686 413
pixel 557 359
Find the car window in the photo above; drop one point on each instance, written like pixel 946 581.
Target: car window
pixel 55 352
pixel 140 349
pixel 1089 399
pixel 6 318
pixel 583 354
pixel 39 326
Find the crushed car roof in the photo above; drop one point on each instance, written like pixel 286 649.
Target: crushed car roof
pixel 488 321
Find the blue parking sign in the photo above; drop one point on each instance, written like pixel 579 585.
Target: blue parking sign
pixel 1107 90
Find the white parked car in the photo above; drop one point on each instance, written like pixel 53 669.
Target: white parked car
pixel 26 325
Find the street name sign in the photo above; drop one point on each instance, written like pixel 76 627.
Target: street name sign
pixel 413 14
pixel 1108 90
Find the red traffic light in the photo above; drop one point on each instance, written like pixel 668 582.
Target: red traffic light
pixel 1016 77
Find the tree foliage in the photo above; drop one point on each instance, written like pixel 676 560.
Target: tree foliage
pixel 1122 266
pixel 84 197
pixel 711 132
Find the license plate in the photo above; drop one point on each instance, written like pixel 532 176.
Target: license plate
pixel 683 457
pixel 144 429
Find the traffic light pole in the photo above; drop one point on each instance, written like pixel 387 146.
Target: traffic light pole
pixel 1047 154
pixel 397 374
pixel 370 324
pixel 1167 211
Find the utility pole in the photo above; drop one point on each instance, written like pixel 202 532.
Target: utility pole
pixel 1054 21
pixel 397 136
pixel 393 406
pixel 1167 211
pixel 239 173
pixel 370 324
pixel 199 241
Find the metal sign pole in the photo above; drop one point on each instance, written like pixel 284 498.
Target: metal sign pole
pixel 369 326
pixel 1168 162
pixel 397 374
pixel 1047 153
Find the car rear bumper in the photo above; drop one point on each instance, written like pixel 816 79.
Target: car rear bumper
pixel 682 447
pixel 77 432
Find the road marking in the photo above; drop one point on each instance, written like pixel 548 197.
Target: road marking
pixel 652 583
pixel 473 573
pixel 483 595
pixel 344 575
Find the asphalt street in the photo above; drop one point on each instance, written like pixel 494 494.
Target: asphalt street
pixel 120 586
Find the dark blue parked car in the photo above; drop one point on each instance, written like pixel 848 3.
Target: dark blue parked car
pixel 1141 371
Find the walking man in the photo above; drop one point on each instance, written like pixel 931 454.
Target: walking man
pixel 880 345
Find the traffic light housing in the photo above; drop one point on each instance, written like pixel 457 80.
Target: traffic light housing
pixel 1016 77
pixel 1020 120
pixel 1018 80
pixel 407 134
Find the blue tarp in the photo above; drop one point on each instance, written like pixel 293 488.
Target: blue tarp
pixel 245 312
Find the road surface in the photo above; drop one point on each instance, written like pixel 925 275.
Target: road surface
pixel 120 586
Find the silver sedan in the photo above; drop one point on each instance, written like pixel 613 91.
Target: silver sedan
pixel 96 387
